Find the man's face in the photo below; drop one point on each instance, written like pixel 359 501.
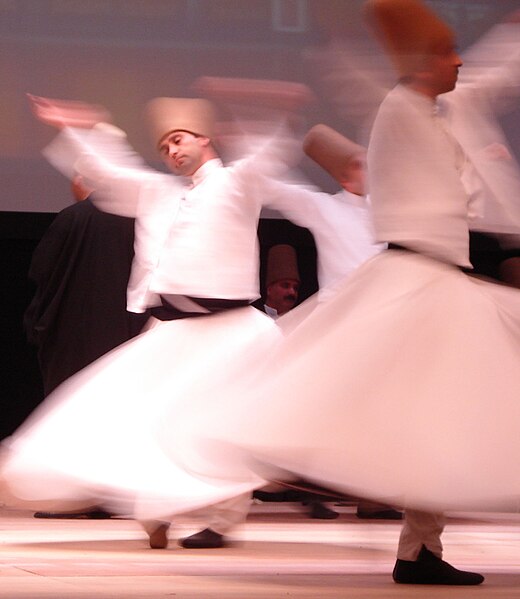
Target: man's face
pixel 443 68
pixel 282 295
pixel 183 152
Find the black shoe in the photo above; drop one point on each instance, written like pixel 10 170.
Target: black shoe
pixel 205 539
pixel 430 569
pixel 321 512
pixel 93 514
pixel 277 496
pixel 388 514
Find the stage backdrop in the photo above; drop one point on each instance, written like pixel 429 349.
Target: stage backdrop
pixel 121 53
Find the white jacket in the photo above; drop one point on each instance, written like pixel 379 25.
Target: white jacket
pixel 198 240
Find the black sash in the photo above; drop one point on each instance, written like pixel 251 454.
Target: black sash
pixel 485 255
pixel 208 306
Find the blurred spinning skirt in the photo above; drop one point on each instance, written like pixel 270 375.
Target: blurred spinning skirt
pixel 95 439
pixel 404 387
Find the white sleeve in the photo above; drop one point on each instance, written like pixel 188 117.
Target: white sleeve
pixel 491 71
pixel 271 152
pixel 107 163
pixel 295 201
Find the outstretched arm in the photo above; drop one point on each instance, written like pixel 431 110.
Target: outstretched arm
pixel 67 113
pixel 89 146
pixel 491 71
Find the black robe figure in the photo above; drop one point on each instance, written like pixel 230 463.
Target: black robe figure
pixel 80 269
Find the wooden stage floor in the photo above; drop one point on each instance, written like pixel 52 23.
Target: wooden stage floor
pixel 278 553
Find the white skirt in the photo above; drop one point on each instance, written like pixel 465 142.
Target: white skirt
pixel 95 440
pixel 404 387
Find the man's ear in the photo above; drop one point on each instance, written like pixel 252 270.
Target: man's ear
pixel 423 72
pixel 204 141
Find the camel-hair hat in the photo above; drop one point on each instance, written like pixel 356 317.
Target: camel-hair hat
pixel 194 115
pixel 331 150
pixel 408 30
pixel 282 263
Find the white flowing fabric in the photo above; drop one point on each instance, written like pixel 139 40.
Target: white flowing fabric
pixel 95 438
pixel 405 387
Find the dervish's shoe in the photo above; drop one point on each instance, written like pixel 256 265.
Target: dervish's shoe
pixel 386 514
pixel 430 569
pixel 321 512
pixel 205 539
pixel 91 514
pixel 158 536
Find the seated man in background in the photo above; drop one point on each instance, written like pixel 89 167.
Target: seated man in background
pixel 282 287
pixel 282 281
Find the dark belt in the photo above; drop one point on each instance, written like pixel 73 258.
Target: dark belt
pixel 396 246
pixel 210 306
pixel 485 254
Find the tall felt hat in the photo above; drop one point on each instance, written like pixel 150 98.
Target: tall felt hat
pixel 281 264
pixel 408 30
pixel 166 115
pixel 331 150
pixel 267 93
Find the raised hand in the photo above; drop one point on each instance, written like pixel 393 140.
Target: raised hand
pixel 67 113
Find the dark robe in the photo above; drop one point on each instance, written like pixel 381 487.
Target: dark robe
pixel 81 269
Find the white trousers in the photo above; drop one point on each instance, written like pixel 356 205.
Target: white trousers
pixel 223 516
pixel 420 528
